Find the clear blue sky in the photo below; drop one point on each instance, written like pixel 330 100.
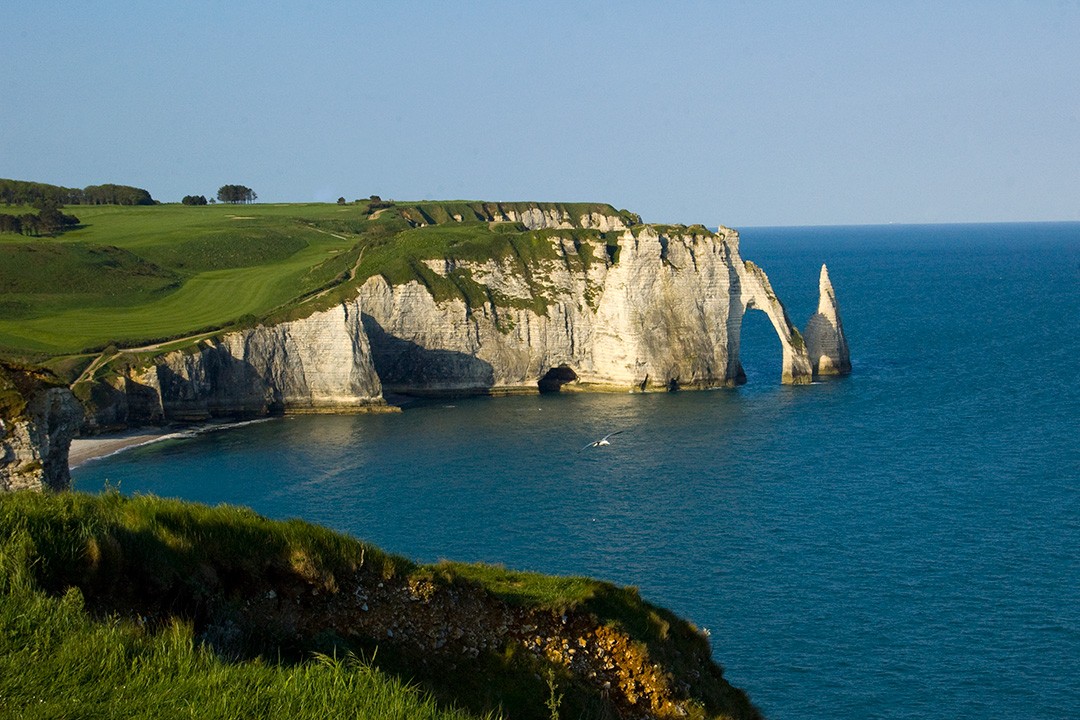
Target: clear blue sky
pixel 754 113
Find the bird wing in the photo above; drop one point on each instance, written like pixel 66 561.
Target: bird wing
pixel 602 440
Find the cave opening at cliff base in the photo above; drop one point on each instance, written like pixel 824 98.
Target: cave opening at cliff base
pixel 555 378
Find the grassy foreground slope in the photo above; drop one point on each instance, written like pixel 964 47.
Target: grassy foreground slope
pixel 59 659
pixel 135 276
pixel 143 607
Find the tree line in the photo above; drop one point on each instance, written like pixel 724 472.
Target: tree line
pixel 22 192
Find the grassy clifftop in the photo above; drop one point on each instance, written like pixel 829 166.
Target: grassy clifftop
pixel 114 607
pixel 132 276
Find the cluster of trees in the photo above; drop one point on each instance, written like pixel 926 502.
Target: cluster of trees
pixel 194 200
pixel 377 203
pixel 22 192
pixel 236 194
pixel 48 220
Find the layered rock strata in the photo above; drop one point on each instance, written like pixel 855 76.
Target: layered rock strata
pixel 533 216
pixel 639 308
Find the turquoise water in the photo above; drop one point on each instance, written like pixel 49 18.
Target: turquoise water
pixel 901 543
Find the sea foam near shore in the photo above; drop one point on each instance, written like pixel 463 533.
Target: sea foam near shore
pixel 84 450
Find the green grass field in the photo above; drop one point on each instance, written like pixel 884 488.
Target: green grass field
pixel 133 275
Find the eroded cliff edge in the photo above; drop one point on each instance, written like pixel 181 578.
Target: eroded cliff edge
pixel 491 640
pixel 549 301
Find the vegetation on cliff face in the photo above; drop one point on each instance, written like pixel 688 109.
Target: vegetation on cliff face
pixel 114 607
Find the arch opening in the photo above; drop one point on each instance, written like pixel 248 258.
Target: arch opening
pixel 555 378
pixel 761 352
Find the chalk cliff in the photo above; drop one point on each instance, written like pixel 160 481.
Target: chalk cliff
pixel 38 419
pixel 585 301
pixel 660 309
pixel 321 363
pixel 534 216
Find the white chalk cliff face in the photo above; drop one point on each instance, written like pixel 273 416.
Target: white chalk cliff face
pixel 662 309
pixel 666 314
pixel 321 363
pixel 534 218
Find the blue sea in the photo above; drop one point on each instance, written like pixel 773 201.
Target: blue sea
pixel 900 543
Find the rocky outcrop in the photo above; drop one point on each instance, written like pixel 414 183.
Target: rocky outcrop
pixel 538 218
pixel 321 363
pixel 825 340
pixel 658 310
pixel 443 626
pixel 38 421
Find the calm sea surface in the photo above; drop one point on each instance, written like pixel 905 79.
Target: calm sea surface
pixel 901 543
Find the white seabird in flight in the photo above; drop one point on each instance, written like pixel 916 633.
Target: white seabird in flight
pixel 602 441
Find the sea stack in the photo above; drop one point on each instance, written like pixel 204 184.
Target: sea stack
pixel 825 339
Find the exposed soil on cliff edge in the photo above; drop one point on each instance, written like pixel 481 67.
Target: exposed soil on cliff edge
pixel 445 633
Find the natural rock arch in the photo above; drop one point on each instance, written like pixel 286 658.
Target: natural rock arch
pixel 756 293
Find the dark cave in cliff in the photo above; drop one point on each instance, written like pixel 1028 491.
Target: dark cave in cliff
pixel 555 378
